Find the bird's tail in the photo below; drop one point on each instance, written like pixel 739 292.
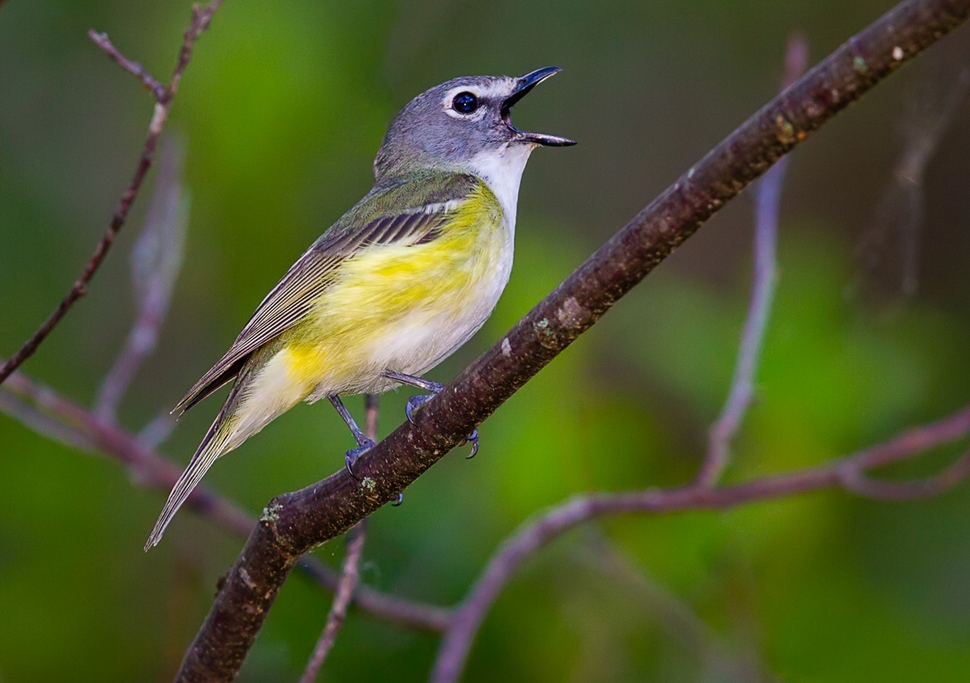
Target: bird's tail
pixel 213 445
pixel 262 391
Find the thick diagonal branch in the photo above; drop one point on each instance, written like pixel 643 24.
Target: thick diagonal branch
pixel 295 522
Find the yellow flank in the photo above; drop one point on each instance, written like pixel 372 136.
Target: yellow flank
pixel 397 304
pixel 399 307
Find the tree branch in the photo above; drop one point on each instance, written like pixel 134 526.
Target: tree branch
pixel 201 17
pixel 767 208
pixel 848 473
pixel 295 522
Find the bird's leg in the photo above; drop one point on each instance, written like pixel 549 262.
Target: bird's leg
pixel 416 401
pixel 364 443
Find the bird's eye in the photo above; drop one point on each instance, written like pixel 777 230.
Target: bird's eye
pixel 465 103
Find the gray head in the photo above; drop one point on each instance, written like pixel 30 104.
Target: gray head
pixel 461 124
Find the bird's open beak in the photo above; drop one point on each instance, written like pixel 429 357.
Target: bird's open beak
pixel 522 88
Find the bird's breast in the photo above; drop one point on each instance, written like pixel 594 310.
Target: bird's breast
pixel 406 308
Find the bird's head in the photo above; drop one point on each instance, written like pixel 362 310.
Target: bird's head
pixel 463 124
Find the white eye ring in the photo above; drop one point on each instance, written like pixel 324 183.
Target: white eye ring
pixel 448 104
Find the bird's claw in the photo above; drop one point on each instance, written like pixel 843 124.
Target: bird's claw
pixel 350 458
pixel 416 402
pixel 473 440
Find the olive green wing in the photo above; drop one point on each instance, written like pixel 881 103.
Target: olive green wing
pixel 406 213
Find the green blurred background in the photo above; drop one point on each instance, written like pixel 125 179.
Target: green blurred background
pixel 282 111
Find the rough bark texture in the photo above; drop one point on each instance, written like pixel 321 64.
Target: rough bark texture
pixel 296 522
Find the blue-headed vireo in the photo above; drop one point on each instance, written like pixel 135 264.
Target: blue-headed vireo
pixel 396 285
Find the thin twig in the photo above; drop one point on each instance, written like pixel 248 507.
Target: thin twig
pixel 349 572
pixel 349 577
pixel 50 414
pixel 158 429
pixel 156 260
pixel 372 413
pixel 200 21
pixel 134 68
pixel 296 522
pixel 899 214
pixel 385 606
pixel 855 480
pixel 147 468
pixel 767 202
pixel 845 472
pixel 41 423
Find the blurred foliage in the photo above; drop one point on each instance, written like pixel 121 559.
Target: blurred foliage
pixel 283 109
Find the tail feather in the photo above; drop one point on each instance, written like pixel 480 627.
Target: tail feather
pixel 212 446
pixel 250 406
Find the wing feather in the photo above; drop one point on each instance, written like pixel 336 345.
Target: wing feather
pixel 404 213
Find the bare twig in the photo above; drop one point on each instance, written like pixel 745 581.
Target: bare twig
pixel 385 606
pixel 768 200
pixel 42 423
pixel 296 522
pixel 899 214
pixel 147 467
pixel 50 414
pixel 156 260
pixel 349 577
pixel 201 17
pixel 372 413
pixel 856 481
pixel 349 572
pixel 846 473
pixel 134 68
pixel 153 434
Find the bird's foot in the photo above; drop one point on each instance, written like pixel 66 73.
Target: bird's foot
pixel 416 402
pixel 350 458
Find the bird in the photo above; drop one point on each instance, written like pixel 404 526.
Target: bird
pixel 395 286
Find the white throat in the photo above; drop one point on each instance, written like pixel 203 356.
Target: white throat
pixel 502 171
